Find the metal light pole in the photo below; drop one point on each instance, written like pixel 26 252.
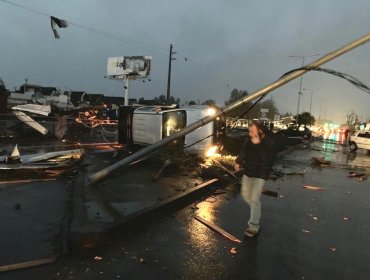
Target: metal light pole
pixel 311 91
pixel 126 89
pixel 169 74
pixel 301 80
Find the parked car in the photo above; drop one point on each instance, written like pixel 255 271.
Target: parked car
pixel 359 140
pixel 294 132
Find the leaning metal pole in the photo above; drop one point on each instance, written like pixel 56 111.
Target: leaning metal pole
pixel 149 149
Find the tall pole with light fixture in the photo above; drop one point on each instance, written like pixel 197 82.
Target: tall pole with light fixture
pixel 301 80
pixel 311 92
pixel 169 74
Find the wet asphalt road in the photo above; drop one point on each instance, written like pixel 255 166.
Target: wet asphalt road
pixel 305 234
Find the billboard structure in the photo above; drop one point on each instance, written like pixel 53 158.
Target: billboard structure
pixel 128 68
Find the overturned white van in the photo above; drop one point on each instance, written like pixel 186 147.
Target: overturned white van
pixel 148 125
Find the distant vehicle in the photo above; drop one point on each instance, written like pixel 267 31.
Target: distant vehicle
pixel 360 140
pixel 295 132
pixel 239 131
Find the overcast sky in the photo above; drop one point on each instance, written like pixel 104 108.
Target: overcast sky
pixel 239 44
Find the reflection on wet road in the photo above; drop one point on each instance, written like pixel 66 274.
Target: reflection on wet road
pixel 201 239
pixel 339 155
pixel 305 233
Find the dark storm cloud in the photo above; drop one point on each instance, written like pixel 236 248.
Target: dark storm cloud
pixel 243 44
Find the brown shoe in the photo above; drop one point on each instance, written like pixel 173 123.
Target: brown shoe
pixel 250 233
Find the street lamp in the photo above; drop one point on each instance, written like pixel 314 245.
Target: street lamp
pixel 311 91
pixel 301 79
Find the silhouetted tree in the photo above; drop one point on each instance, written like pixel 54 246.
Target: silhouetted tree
pixel 235 95
pixel 306 119
pixel 209 102
pixel 162 100
pixel 3 97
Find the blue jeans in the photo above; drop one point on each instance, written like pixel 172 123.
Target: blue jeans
pixel 251 191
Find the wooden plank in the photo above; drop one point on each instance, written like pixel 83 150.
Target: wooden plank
pixel 27 264
pixel 218 229
pixel 26 181
pixel 313 188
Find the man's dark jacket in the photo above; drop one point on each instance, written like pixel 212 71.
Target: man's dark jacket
pixel 257 159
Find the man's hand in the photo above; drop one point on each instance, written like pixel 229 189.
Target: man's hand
pixel 236 166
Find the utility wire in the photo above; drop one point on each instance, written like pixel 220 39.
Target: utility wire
pixel 134 43
pixel 347 77
pixel 94 30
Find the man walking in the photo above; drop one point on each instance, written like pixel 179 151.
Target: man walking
pixel 256 157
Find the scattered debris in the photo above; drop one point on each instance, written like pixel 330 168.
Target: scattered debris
pixel 353 174
pixel 98 258
pixel 194 207
pixel 217 229
pixel 363 178
pixel 233 250
pixel 224 168
pixel 313 188
pixel 305 231
pixel 39 161
pixel 333 249
pixel 211 199
pixel 30 121
pixel 25 181
pixel 295 173
pixel 345 218
pixel 360 176
pixel 220 192
pixel 27 264
pixel 313 217
pixel 276 174
pixel 270 193
pixel 165 164
pixel 319 161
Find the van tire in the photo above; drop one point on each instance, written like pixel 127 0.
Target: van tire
pixel 352 146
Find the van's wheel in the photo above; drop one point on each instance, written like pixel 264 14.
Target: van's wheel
pixel 352 146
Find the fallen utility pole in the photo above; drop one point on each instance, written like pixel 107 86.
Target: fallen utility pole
pixel 280 82
pixel 165 202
